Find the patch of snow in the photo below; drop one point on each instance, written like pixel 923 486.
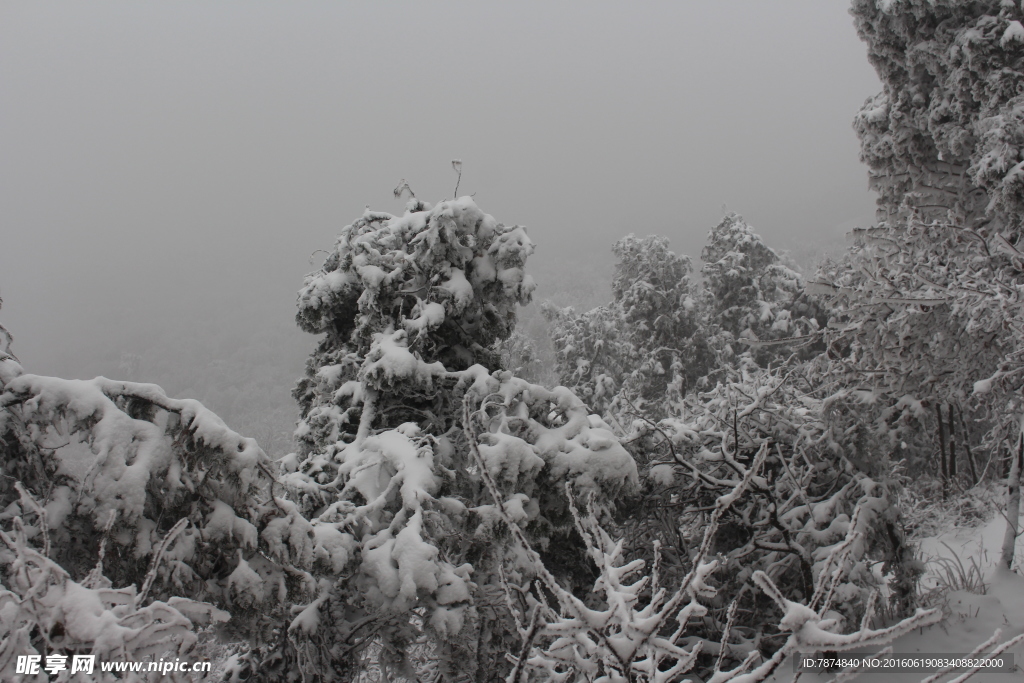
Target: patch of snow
pixel 1014 33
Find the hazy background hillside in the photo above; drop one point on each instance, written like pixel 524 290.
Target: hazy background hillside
pixel 168 170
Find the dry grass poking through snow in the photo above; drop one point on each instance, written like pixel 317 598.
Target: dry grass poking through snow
pixel 926 515
pixel 950 573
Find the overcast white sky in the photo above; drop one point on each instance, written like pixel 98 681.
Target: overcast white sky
pixel 162 162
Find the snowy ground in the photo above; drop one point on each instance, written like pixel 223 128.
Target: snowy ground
pixel 971 618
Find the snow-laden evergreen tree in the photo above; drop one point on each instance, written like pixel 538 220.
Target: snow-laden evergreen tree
pixel 661 337
pixel 641 350
pixel 946 130
pixel 592 352
pixel 125 514
pixel 926 322
pixel 944 144
pixel 750 295
pixel 143 460
pixel 406 547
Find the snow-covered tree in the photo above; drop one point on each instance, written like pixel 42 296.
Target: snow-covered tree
pixel 945 132
pixel 110 484
pixel 642 349
pixel 757 392
pixel 925 320
pixel 944 142
pixel 592 352
pixel 46 612
pixel 926 327
pixel 750 295
pixel 406 544
pixel 913 334
pixel 144 460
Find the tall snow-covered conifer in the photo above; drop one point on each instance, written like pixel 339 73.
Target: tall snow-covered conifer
pixel 410 308
pixel 750 295
pixel 642 348
pixel 925 318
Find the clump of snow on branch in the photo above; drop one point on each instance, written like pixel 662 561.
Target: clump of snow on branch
pixel 631 637
pixel 44 611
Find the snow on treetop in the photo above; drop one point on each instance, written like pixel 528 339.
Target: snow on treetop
pixel 734 244
pixel 450 266
pixel 1014 32
pixel 132 453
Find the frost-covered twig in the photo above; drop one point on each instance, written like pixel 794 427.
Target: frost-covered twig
pixel 520 671
pixel 622 640
pixel 973 653
pixel 95 578
pixel 808 631
pixel 30 502
pixel 158 555
pixel 999 650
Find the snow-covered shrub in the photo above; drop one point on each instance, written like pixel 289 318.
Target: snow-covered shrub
pixel 640 627
pixel 184 506
pixel 925 514
pixel 43 611
pixel 403 544
pixel 104 454
pixel 823 477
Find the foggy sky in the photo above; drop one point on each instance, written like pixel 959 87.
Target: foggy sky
pixel 169 167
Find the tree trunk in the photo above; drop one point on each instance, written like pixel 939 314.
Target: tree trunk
pixel 1012 505
pixel 952 443
pixel 942 452
pixel 967 447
